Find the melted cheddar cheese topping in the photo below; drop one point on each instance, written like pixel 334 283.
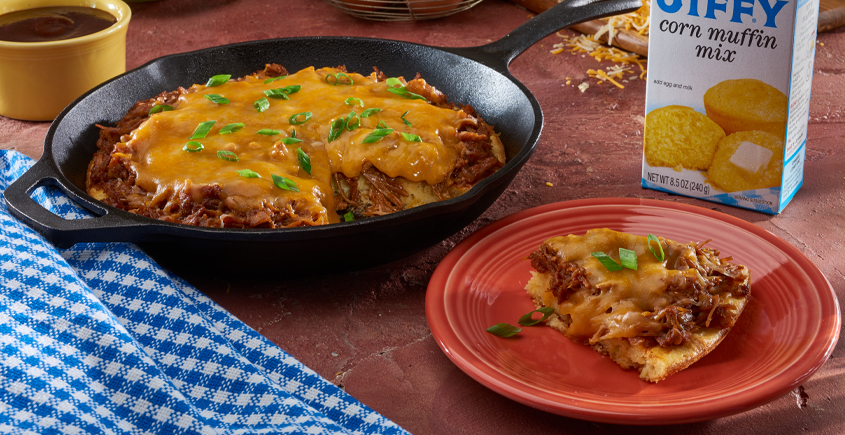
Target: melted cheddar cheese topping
pixel 619 301
pixel 161 164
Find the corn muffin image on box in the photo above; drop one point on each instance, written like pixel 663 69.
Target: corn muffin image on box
pixel 728 99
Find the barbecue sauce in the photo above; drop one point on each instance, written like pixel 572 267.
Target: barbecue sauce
pixel 54 23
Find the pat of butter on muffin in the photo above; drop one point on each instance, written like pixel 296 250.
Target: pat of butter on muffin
pixel 751 157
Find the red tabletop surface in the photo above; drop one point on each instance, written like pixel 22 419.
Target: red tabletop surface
pixel 367 332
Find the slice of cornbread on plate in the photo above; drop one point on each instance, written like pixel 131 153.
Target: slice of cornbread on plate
pixel 659 318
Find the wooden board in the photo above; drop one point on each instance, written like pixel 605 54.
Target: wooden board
pixel 831 16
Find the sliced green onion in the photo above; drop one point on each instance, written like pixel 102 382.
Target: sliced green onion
pixel 337 127
pixel 227 156
pixel 404 93
pixel 653 238
pixel 290 140
pixel 216 98
pixel 304 160
pixel 408 123
pixel 606 261
pixel 370 111
pixel 218 80
pixel 284 183
pixel 278 94
pixel 529 320
pixel 293 132
pixel 160 108
pixel 202 129
pixel 273 79
pixel 352 101
pixel 282 93
pixel 348 217
pixel 294 119
pixel 231 128
pixel 248 173
pixel 504 330
pixel 349 118
pixel 382 124
pixel 337 77
pixel 292 89
pixel 401 90
pixel 411 137
pixel 269 132
pixel 262 104
pixel 377 134
pixel 628 258
pixel 193 147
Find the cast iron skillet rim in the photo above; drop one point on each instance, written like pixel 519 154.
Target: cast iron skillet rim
pixel 100 209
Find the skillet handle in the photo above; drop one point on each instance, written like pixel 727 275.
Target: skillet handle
pixel 560 16
pixel 62 233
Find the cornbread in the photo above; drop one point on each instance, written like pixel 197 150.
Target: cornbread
pixel 748 67
pixel 747 160
pixel 681 138
pixel 747 104
pixel 275 150
pixel 658 319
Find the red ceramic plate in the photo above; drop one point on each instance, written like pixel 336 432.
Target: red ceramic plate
pixel 787 331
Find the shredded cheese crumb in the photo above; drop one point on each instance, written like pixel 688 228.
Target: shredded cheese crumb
pixel 549 184
pixel 583 86
pixel 604 76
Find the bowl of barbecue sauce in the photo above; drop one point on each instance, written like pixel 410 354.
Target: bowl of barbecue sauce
pixel 53 51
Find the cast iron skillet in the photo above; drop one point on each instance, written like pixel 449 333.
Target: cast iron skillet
pixel 477 76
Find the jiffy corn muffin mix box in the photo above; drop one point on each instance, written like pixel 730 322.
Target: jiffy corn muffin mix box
pixel 728 99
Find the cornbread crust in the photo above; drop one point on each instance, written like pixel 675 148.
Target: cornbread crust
pixel 120 173
pixel 597 308
pixel 681 138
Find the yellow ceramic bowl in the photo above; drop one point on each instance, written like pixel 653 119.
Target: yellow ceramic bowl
pixel 38 79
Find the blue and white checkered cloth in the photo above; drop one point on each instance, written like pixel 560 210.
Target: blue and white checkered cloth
pixel 98 339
